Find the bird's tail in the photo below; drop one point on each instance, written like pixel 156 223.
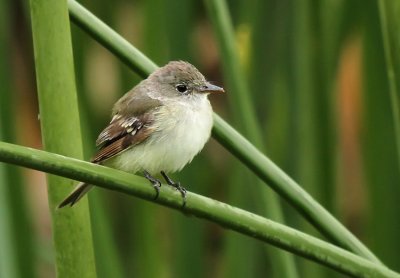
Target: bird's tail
pixel 76 195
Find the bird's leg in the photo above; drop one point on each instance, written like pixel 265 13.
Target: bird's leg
pixel 177 186
pixel 155 182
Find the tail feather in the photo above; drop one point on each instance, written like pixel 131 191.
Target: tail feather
pixel 76 195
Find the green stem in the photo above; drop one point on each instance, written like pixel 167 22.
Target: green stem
pixel 17 258
pixel 287 188
pixel 230 139
pixel 60 126
pixel 110 39
pixel 390 36
pixel 380 171
pixel 241 221
pixel 245 115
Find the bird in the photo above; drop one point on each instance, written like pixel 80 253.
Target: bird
pixel 158 126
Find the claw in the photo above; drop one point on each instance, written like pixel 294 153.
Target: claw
pixel 177 186
pixel 155 182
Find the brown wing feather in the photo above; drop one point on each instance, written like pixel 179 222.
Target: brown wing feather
pixel 121 134
pixel 119 127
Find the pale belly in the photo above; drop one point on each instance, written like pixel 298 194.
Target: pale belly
pixel 179 137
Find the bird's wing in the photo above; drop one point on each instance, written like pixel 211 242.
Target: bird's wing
pixel 122 133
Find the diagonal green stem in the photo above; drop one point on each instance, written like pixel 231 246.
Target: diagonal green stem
pixel 232 140
pixel 110 39
pixel 225 215
pixel 287 188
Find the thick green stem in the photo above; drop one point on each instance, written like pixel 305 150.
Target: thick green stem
pixel 59 119
pixel 223 214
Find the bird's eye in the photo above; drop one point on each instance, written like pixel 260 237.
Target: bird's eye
pixel 182 88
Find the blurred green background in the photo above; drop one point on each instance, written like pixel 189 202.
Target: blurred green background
pixel 317 78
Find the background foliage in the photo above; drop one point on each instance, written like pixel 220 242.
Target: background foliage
pixel 317 79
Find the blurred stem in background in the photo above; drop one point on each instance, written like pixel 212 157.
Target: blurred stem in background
pixel 16 236
pixel 390 22
pixel 312 108
pixel 244 114
pixel 151 226
pixel 379 139
pixel 190 258
pixel 268 74
pixel 61 133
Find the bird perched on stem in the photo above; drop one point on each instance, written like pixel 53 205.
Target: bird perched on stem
pixel 157 127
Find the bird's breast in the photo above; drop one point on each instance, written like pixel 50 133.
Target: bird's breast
pixel 181 131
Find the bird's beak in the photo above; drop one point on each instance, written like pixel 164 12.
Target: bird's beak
pixel 209 88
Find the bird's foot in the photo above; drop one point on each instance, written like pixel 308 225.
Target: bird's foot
pixel 177 186
pixel 155 182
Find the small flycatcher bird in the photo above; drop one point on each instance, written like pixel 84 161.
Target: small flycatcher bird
pixel 157 127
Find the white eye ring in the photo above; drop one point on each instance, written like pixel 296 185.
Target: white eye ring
pixel 182 88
